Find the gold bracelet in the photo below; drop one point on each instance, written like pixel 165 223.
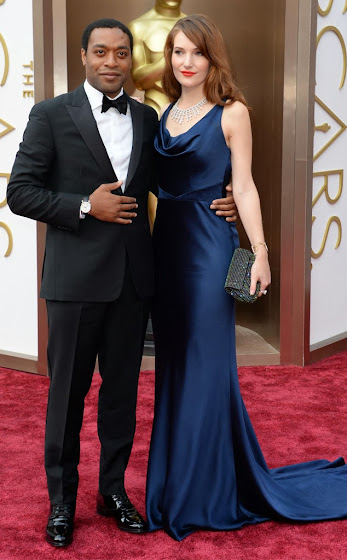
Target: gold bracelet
pixel 255 247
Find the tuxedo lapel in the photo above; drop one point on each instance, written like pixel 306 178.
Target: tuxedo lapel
pixel 81 114
pixel 137 118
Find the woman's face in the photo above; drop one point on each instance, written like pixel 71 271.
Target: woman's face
pixel 190 66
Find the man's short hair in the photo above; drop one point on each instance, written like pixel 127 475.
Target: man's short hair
pixel 106 23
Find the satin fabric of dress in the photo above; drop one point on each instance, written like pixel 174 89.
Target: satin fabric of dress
pixel 206 469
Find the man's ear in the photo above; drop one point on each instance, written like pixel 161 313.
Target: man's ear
pixel 83 56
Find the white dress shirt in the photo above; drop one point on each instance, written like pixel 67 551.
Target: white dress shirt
pixel 116 131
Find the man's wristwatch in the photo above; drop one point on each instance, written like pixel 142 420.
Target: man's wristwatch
pixel 85 207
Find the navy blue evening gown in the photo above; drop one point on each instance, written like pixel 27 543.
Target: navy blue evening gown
pixel 206 469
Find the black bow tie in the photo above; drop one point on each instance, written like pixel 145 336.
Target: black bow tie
pixel 120 104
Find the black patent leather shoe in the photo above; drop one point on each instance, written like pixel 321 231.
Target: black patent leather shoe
pixel 126 516
pixel 60 525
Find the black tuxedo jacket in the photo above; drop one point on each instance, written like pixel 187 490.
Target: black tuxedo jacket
pixel 62 158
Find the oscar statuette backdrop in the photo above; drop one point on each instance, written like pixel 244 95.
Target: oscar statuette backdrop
pixel 329 200
pixel 281 53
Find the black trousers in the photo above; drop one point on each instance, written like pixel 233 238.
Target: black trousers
pixel 78 333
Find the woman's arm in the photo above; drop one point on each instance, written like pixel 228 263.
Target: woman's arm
pixel 238 135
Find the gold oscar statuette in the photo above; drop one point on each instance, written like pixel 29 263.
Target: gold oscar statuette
pixel 150 31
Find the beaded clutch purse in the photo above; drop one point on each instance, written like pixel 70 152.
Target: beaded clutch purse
pixel 238 280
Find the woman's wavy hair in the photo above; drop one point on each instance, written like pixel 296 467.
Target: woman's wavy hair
pixel 220 86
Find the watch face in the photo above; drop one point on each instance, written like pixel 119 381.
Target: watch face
pixel 85 206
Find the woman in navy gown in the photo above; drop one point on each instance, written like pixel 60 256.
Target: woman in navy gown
pixel 206 469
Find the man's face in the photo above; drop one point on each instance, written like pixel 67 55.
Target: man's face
pixel 107 60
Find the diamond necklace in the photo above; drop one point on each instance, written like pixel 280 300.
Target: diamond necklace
pixel 179 115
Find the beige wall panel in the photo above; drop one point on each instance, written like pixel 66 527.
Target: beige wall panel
pixel 18 278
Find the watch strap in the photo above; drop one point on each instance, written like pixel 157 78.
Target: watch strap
pixel 85 198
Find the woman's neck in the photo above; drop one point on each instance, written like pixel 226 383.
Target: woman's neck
pixel 190 96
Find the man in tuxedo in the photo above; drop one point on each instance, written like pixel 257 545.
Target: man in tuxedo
pixel 85 168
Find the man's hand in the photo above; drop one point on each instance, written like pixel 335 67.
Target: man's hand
pixel 109 207
pixel 226 206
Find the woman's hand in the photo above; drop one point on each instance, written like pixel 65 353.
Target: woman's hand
pixel 260 272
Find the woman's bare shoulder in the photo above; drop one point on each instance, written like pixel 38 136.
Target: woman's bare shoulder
pixel 237 109
pixel 235 120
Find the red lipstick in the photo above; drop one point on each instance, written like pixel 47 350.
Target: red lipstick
pixel 188 73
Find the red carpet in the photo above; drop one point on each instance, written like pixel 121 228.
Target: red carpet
pixel 298 414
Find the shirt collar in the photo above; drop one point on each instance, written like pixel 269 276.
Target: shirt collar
pixel 95 96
